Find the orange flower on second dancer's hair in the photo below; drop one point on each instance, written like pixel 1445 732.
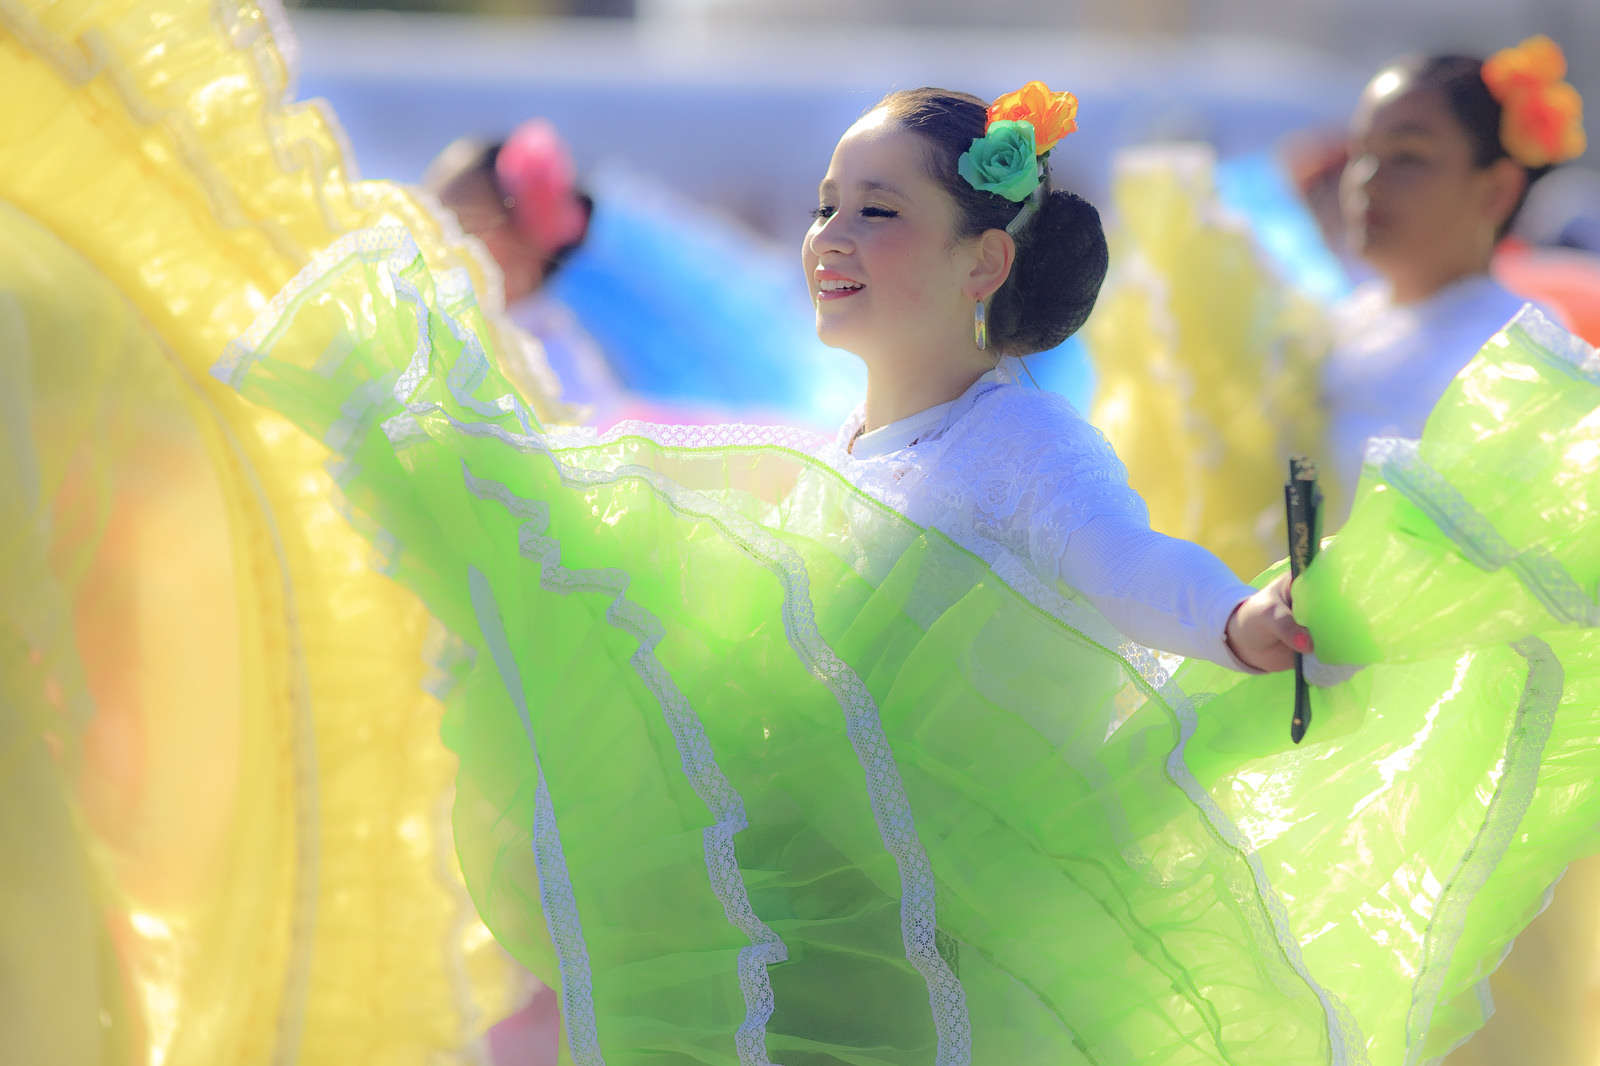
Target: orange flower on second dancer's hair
pixel 1534 63
pixel 1052 115
pixel 1544 126
pixel 1541 120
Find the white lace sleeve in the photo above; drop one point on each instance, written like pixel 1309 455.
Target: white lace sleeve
pixel 1026 473
pixel 1023 470
pixel 1157 590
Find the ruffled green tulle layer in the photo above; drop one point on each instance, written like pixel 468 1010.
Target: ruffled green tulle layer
pixel 754 769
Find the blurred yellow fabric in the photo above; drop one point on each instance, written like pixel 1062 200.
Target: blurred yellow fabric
pixel 226 804
pixel 1205 366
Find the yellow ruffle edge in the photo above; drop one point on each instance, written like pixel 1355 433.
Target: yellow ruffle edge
pixel 226 806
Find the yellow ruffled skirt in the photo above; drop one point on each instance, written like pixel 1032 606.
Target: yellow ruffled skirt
pixel 224 804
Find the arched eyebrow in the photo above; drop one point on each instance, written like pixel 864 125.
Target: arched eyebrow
pixel 865 186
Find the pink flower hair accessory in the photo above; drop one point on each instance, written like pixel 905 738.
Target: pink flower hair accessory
pixel 539 180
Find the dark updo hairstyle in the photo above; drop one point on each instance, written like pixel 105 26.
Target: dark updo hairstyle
pixel 1460 80
pixel 470 164
pixel 1061 251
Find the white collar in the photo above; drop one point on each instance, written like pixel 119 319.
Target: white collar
pixel 924 426
pixel 893 437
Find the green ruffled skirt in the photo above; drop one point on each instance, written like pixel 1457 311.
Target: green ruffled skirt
pixel 754 769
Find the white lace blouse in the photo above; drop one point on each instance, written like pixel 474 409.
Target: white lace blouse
pixel 1008 469
pixel 1392 362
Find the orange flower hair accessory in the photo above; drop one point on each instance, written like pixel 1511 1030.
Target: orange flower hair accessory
pixel 1009 159
pixel 1053 115
pixel 1541 119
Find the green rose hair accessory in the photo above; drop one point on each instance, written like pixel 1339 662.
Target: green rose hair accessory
pixel 1003 161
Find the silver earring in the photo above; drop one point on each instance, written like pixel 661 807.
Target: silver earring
pixel 980 326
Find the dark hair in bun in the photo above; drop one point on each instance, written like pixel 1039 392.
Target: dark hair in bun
pixel 1460 80
pixel 1061 251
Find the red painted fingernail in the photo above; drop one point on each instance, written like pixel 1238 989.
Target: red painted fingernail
pixel 1302 643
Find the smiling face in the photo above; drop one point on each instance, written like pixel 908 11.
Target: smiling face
pixel 886 270
pixel 1416 204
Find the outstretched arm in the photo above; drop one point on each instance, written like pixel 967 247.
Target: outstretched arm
pixel 1176 596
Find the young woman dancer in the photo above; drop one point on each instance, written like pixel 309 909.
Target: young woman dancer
pixel 777 749
pixel 1443 150
pixel 1197 331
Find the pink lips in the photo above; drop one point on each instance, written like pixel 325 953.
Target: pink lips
pixel 823 275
